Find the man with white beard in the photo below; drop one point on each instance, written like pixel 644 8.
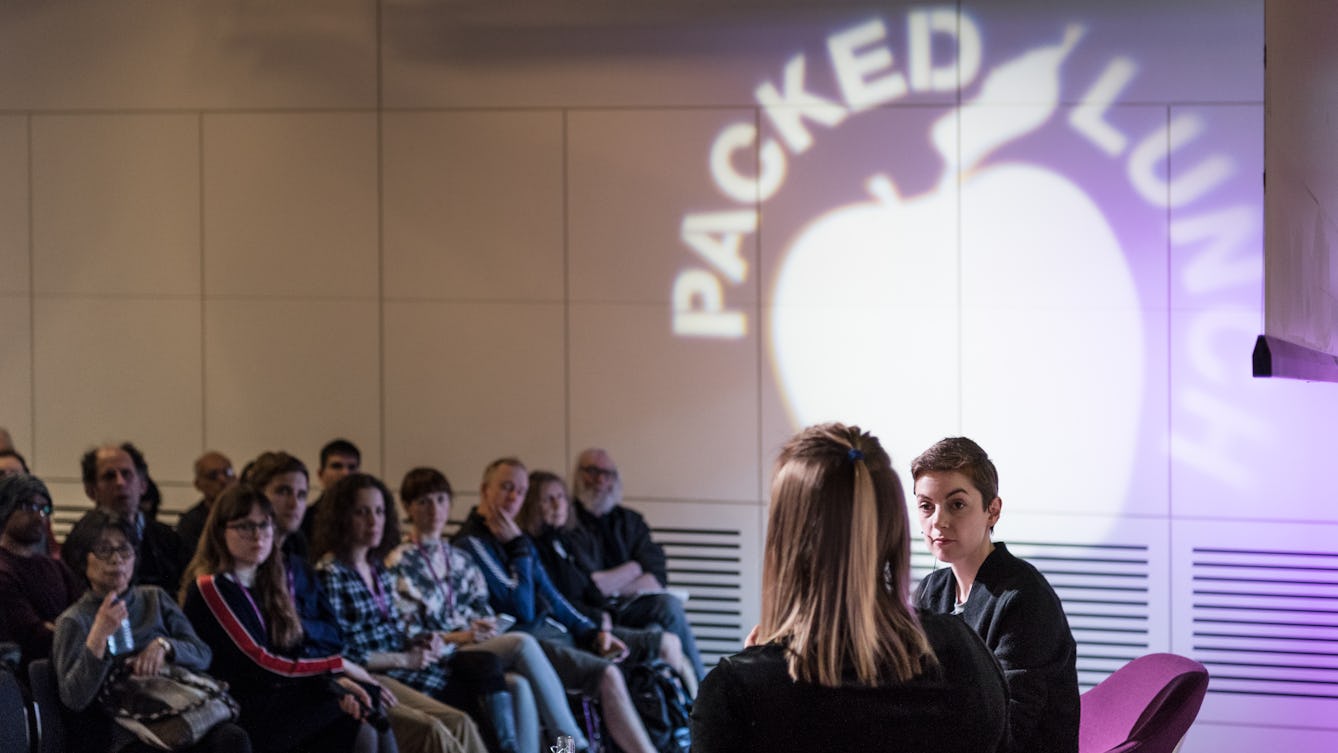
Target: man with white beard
pixel 633 574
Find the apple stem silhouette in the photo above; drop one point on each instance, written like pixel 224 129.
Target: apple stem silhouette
pixel 1031 78
pixel 883 189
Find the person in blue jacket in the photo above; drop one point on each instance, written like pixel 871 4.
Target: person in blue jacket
pixel 582 653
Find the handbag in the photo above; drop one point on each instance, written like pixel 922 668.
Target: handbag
pixel 172 710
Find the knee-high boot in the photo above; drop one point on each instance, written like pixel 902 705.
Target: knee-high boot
pixel 501 716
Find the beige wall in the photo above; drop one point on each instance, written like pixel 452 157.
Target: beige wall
pixel 249 225
pixel 214 239
pixel 449 231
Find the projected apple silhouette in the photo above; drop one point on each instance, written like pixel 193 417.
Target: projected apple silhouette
pixel 1029 334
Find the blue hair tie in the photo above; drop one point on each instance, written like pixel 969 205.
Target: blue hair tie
pixel 854 454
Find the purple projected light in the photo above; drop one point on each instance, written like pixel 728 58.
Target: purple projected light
pixel 997 267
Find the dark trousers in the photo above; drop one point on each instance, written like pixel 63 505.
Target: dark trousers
pixel 667 612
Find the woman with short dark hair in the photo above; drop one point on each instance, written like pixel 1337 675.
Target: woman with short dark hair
pixel 439 589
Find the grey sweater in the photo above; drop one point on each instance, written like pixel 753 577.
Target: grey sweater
pixel 80 674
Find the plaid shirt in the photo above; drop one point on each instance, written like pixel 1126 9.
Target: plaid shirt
pixel 370 625
pixel 437 587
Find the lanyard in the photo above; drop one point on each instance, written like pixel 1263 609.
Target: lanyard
pixel 377 595
pixel 254 606
pixel 444 586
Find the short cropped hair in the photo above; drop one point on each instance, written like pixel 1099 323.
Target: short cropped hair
pixel 420 482
pixel 267 465
pixel 510 461
pixel 340 446
pixel 965 457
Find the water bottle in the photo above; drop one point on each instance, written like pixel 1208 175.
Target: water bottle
pixel 122 641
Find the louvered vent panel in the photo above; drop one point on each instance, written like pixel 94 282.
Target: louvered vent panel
pixel 706 563
pixel 1265 622
pixel 1104 588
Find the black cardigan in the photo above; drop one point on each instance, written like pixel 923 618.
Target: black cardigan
pixel 1014 609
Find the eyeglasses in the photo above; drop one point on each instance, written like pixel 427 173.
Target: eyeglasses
pixel 595 471
pixel 104 552
pixel 42 506
pixel 219 473
pixel 251 528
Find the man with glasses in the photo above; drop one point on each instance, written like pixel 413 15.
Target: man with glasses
pixel 633 570
pixel 213 476
pixel 115 477
pixel 34 587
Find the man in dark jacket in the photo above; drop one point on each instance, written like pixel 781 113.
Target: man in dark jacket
pixel 631 568
pixel 34 586
pixel 115 477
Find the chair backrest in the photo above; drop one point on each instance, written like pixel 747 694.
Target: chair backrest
pixel 46 701
pixel 61 729
pixel 1145 706
pixel 14 711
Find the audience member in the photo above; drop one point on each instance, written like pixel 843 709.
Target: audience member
pixel 353 535
pixel 84 652
pixel 34 587
pixel 151 502
pixel 840 660
pixel 213 475
pixel 582 652
pixel 1005 599
pixel 114 478
pixel 546 517
pixel 439 589
pixel 240 604
pixel 339 458
pixel 628 566
pixel 6 441
pixel 421 723
pixel 12 463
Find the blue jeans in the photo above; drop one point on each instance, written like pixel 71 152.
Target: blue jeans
pixel 521 655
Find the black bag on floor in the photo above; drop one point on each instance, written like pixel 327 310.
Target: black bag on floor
pixel 662 703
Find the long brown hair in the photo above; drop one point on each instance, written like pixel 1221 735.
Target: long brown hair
pixel 334 518
pixel 531 515
pixel 836 568
pixel 271 583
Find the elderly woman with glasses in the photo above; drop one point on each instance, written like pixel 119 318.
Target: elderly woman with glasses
pixel 91 636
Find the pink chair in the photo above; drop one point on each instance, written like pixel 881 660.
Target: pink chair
pixel 1146 706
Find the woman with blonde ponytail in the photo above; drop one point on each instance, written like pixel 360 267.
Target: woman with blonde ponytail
pixel 840 660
